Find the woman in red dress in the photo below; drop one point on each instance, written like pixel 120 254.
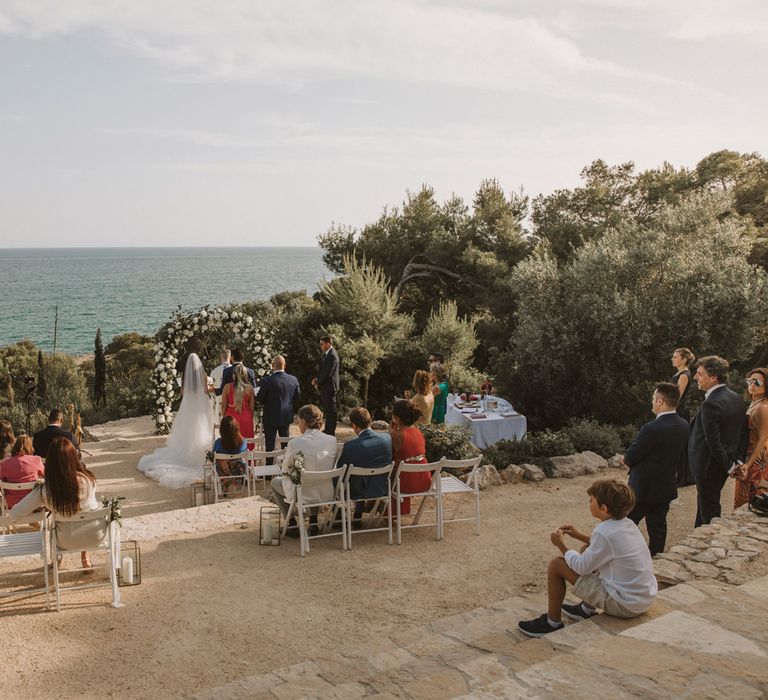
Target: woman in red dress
pixel 237 401
pixel 408 445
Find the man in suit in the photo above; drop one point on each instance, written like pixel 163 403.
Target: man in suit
pixel 368 449
pixel 228 376
pixel 327 383
pixel 43 438
pixel 718 437
pixel 217 377
pixel 277 393
pixel 653 459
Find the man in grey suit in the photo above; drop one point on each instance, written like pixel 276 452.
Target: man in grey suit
pixel 327 383
pixel 718 438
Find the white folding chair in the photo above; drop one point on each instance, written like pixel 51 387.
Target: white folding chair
pixel 385 500
pixel 21 544
pixel 298 505
pixel 432 492
pixel 259 469
pixel 282 442
pixel 110 542
pixel 255 443
pixel 8 486
pixel 452 486
pixel 220 479
pixel 339 448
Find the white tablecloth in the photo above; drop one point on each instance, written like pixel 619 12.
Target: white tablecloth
pixel 487 431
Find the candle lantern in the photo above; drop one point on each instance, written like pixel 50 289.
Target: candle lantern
pixel 201 493
pixel 129 565
pixel 270 526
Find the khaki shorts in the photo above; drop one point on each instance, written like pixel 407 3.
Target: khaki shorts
pixel 592 591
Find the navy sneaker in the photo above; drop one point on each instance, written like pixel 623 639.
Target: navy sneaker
pixel 576 612
pixel 538 627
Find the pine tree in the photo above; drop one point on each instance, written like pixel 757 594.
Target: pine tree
pixel 42 388
pixel 100 377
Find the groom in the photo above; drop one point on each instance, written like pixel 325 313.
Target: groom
pixel 327 383
pixel 229 373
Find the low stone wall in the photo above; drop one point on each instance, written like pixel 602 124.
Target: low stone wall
pixel 715 551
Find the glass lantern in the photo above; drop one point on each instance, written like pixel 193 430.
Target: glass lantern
pixel 201 493
pixel 129 566
pixel 270 526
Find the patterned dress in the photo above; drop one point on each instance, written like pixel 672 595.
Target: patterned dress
pixel 757 476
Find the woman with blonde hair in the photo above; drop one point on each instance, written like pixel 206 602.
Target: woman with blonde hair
pixel 423 398
pixel 237 399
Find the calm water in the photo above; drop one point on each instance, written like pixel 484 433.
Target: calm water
pixel 135 289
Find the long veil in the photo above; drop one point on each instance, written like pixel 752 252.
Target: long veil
pixel 180 462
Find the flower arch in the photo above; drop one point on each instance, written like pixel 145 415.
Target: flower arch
pixel 171 339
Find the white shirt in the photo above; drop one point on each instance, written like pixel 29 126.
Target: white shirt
pixel 620 556
pixel 666 413
pixel 709 391
pixel 319 452
pixel 217 374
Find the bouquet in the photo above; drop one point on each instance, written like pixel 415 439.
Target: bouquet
pixel 296 469
pixel 115 508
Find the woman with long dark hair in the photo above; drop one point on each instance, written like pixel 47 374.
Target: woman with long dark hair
pixel 69 489
pixel 752 476
pixel 408 445
pixel 683 360
pixel 232 443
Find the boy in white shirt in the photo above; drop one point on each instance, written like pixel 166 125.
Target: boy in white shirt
pixel 613 572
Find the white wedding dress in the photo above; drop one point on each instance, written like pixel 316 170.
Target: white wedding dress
pixel 180 462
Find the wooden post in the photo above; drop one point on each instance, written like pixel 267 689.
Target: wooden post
pixel 55 327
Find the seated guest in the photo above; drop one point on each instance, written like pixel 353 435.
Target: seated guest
pixel 69 489
pixel 231 442
pixel 408 445
pixel 654 458
pixel 43 438
pixel 319 451
pixel 440 392
pixel 368 449
pixel 613 571
pixel 6 439
pixel 22 467
pixel 422 398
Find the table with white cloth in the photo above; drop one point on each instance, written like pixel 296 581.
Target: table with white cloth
pixel 500 423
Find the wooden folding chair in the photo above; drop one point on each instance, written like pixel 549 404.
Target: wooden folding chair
pixel 220 479
pixel 20 544
pixel 432 492
pixel 452 486
pixel 385 500
pixel 6 486
pixel 259 469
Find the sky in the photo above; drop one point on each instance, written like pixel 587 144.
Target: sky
pixel 262 122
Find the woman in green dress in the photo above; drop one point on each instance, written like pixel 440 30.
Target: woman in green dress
pixel 440 391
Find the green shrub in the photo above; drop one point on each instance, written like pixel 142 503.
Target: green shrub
pixel 506 452
pixel 449 441
pixel 536 448
pixel 587 434
pixel 626 434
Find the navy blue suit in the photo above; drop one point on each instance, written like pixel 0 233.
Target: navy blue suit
pixel 229 376
pixel 368 449
pixel 718 438
pixel 277 393
pixel 654 458
pixel 328 386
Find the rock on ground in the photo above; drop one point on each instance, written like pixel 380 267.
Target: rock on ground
pixel 532 472
pixel 513 474
pixel 569 466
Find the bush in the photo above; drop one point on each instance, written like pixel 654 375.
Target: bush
pixel 449 441
pixel 587 434
pixel 626 434
pixel 536 448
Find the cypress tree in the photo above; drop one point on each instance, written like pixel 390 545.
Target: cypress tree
pixel 42 388
pixel 100 377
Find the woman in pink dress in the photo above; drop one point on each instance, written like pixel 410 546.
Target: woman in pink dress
pixel 22 467
pixel 237 401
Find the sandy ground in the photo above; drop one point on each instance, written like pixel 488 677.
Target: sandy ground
pixel 217 607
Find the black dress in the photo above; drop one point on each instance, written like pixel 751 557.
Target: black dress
pixel 684 476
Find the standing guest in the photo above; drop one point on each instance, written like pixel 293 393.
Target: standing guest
pixel 319 451
pixel 327 383
pixel 367 449
pixel 439 391
pixel 228 375
pixel 423 398
pixel 217 373
pixel 408 445
pixel 277 392
pixel 682 361
pixel 22 467
pixel 69 489
pixel 6 439
pixel 43 438
pixel 613 571
pixel 718 436
pixel 653 459
pixel 231 442
pixel 237 400
pixel 435 357
pixel 752 476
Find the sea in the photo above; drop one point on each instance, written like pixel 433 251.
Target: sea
pixel 135 289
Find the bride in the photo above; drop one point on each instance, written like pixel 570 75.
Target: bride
pixel 180 462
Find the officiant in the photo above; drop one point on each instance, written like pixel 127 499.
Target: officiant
pixel 278 393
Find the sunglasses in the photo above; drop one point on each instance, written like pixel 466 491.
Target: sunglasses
pixel 755 382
